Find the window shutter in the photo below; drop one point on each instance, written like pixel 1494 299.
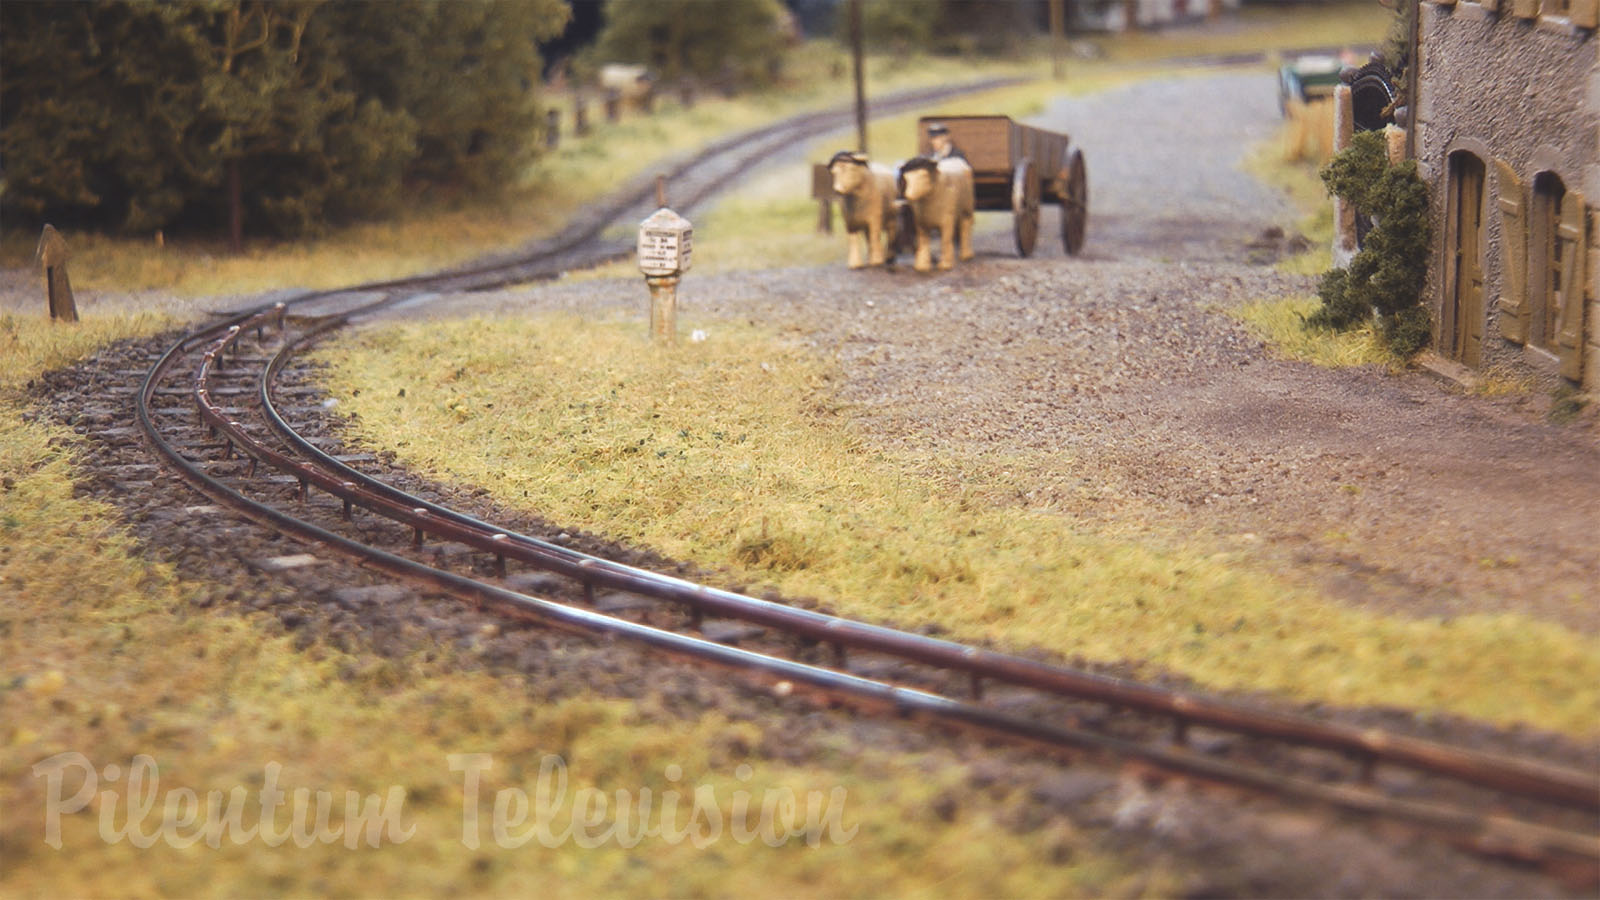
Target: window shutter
pixel 1525 9
pixel 1584 13
pixel 1514 309
pixel 1574 283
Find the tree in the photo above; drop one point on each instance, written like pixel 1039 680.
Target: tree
pixel 898 26
pixel 735 42
pixel 467 75
pixel 903 27
pixel 282 113
pixel 1387 276
pixel 89 131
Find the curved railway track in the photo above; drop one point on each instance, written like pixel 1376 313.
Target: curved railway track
pixel 227 432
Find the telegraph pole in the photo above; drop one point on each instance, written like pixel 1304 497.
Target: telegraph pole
pixel 1058 38
pixel 861 79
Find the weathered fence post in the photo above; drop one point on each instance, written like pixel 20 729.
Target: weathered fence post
pixel 686 95
pixel 52 256
pixel 822 192
pixel 580 115
pixel 552 128
pixel 613 104
pixel 1344 215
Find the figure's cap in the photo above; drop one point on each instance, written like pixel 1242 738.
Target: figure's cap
pixel 937 128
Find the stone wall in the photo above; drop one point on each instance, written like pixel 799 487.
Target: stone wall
pixel 1524 92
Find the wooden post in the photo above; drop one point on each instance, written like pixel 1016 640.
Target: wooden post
pixel 822 192
pixel 1413 79
pixel 861 79
pixel 1344 215
pixel 613 104
pixel 1058 39
pixel 663 309
pixel 580 115
pixel 552 128
pixel 1394 140
pixel 52 256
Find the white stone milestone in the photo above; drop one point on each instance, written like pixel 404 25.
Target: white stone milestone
pixel 666 240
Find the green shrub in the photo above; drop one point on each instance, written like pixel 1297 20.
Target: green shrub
pixel 1386 277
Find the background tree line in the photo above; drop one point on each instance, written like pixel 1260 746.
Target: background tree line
pixel 287 114
pixel 282 117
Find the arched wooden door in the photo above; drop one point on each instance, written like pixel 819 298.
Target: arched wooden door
pixel 1462 317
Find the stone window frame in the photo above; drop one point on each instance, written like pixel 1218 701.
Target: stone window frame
pixel 1543 352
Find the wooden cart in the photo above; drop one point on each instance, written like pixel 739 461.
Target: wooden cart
pixel 1018 167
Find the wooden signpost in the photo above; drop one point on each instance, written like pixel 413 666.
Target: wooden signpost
pixel 52 256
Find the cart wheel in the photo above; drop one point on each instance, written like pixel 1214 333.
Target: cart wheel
pixel 1025 206
pixel 1074 203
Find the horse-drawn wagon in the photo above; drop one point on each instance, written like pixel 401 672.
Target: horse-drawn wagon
pixel 1018 167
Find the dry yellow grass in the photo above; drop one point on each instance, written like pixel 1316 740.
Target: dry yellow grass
pixel 733 453
pixel 1308 134
pixel 103 655
pixel 1281 321
pixel 1256 28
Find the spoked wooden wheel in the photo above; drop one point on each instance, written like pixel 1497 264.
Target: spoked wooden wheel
pixel 1074 203
pixel 1025 206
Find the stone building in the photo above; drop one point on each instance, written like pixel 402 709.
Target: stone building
pixel 1508 140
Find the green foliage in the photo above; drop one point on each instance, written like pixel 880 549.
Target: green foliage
pixel 135 116
pixel 465 74
pixel 730 42
pixel 900 27
pixel 906 27
pixel 1407 332
pixel 1396 48
pixel 1386 277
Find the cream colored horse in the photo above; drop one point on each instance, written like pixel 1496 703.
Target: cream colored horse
pixel 867 193
pixel 940 195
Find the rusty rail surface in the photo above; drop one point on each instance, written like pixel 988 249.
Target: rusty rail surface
pixel 314 468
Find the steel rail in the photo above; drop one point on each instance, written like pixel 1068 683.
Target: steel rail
pixel 1489 834
pixel 1549 783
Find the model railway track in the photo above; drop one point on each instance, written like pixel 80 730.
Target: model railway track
pixel 225 429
